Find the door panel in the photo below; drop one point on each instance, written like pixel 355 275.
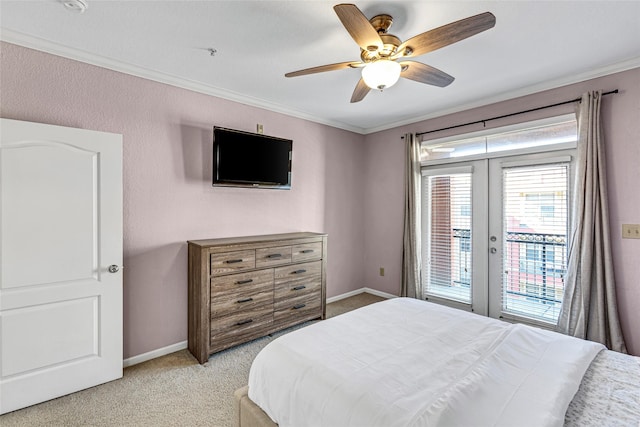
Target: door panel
pixel 38 217
pixel 528 217
pixel 65 326
pixel 61 225
pixel 454 235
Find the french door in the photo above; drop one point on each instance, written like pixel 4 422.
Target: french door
pixel 495 235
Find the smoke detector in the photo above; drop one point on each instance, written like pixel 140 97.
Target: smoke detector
pixel 78 6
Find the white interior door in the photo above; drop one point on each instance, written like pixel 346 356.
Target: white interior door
pixel 60 261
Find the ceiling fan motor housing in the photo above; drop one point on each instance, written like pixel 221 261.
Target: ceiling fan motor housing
pixel 389 47
pixel 381 23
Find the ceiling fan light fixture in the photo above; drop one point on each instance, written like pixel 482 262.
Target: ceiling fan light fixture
pixel 381 74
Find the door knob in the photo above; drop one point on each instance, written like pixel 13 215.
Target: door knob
pixel 113 268
pixel 493 250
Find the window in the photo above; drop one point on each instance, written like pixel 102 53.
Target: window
pixel 534 258
pixel 495 223
pixel 547 211
pixel 447 249
pixel 540 135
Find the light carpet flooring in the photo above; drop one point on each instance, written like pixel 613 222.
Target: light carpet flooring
pixel 172 390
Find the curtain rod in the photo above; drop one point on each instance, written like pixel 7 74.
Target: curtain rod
pixel 509 115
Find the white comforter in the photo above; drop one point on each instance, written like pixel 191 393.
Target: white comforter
pixel 405 362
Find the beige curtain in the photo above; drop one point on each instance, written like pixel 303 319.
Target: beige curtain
pixel 411 249
pixel 589 309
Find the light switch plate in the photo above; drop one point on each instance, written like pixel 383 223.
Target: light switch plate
pixel 631 231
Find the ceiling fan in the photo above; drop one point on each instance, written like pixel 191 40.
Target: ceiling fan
pixel 380 51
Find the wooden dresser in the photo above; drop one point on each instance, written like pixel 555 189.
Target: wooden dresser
pixel 247 287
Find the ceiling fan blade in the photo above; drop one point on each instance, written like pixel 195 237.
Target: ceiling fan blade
pixel 446 35
pixel 323 68
pixel 360 91
pixel 359 27
pixel 425 74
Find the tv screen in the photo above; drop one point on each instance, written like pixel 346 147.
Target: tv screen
pixel 244 159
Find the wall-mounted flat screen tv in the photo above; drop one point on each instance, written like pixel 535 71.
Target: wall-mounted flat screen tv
pixel 245 159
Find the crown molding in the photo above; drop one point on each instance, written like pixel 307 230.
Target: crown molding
pixel 47 46
pixel 529 90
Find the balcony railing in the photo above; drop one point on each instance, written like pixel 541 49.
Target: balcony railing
pixel 542 270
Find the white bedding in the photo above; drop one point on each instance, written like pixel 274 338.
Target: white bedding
pixel 405 362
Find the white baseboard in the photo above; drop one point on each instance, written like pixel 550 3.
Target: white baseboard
pixel 153 354
pixel 182 345
pixel 360 291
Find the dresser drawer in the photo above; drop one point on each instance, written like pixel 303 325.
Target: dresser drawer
pixel 240 326
pixel 294 310
pixel 294 289
pixel 230 262
pixel 240 281
pixel 242 301
pixel 268 257
pixel 306 252
pixel 298 274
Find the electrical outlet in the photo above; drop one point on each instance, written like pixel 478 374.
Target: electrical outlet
pixel 382 271
pixel 631 231
pixel 260 129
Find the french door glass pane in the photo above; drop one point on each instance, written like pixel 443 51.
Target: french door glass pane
pixel 534 240
pixel 447 252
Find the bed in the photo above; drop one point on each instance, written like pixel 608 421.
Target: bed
pixel 406 362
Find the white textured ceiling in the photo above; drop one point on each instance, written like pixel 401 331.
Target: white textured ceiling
pixel 535 45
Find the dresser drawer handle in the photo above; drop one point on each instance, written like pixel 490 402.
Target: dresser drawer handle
pixel 299 306
pixel 299 288
pixel 274 256
pixel 244 282
pixel 307 251
pixel 245 300
pixel 234 261
pixel 298 271
pixel 244 322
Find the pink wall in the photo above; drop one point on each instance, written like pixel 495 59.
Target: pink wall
pixel 384 166
pixel 347 185
pixel 168 198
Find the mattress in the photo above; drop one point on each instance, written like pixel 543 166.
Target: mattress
pixel 409 362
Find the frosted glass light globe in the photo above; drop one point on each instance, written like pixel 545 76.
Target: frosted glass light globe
pixel 381 74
